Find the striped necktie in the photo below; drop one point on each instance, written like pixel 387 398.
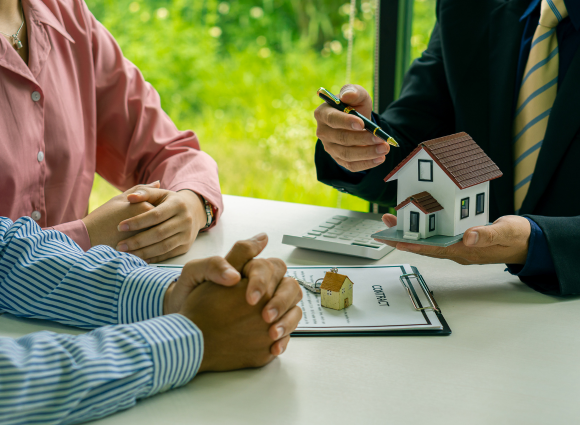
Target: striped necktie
pixel 536 97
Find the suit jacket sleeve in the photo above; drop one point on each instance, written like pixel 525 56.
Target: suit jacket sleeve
pixel 424 111
pixel 563 237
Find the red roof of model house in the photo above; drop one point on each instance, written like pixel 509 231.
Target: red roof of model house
pixel 424 201
pixel 459 157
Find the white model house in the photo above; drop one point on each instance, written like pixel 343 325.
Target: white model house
pixel 443 187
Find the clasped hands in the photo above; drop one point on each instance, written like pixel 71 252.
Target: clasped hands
pixel 245 307
pixel 152 223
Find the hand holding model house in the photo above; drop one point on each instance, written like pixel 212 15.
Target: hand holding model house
pixel 442 205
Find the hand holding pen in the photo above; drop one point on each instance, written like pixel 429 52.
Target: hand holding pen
pixel 344 135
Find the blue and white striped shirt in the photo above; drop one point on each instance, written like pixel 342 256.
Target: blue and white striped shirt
pixel 49 378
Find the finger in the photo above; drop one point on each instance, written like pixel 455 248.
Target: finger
pixel 390 220
pixel 346 137
pixel 355 95
pixel 360 165
pixel 337 119
pixel 156 184
pixel 159 248
pixel 138 194
pixel 356 153
pixel 264 277
pixel 286 297
pixel 457 250
pixel 151 218
pixel 152 194
pixel 243 251
pixel 286 325
pixel 180 250
pixel 280 346
pixel 154 235
pixel 213 269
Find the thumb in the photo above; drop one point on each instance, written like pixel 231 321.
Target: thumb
pixel 390 220
pixel 357 97
pixel 152 195
pixel 246 250
pixel 484 236
pixel 194 273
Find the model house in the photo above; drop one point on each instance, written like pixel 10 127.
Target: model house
pixel 443 187
pixel 336 291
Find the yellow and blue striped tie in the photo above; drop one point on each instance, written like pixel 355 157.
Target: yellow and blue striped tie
pixel 536 97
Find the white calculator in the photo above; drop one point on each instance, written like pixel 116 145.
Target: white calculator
pixel 343 235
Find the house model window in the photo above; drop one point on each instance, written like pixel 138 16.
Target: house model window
pixel 432 222
pixel 465 208
pixel 425 170
pixel 479 203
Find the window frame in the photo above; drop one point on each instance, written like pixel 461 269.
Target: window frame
pixel 482 195
pixel 432 216
pixel 430 162
pixel 461 208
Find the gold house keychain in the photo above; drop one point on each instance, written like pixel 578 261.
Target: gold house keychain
pixel 335 289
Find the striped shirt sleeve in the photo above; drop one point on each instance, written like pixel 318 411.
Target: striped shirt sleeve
pixel 45 275
pixel 48 378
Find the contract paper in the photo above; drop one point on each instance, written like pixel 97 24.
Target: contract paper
pixel 380 302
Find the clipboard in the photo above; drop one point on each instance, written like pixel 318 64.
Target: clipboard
pixel 409 282
pixel 406 280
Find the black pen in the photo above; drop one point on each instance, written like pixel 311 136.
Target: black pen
pixel 370 126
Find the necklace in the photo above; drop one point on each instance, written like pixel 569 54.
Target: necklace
pixel 15 40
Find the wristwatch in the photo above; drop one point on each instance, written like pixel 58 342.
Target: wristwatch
pixel 208 212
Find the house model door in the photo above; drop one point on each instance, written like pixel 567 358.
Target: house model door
pixel 414 222
pixel 346 303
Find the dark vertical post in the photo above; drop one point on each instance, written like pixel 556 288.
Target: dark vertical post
pixel 394 21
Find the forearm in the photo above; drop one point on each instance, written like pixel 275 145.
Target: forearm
pixel 45 275
pixel 52 378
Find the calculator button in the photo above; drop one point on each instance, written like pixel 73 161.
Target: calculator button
pixel 329 236
pixel 335 232
pixel 327 225
pixel 314 233
pixel 333 221
pixel 344 237
pixel 320 229
pixel 309 237
pixel 340 217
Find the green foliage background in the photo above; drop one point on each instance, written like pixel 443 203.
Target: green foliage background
pixel 243 75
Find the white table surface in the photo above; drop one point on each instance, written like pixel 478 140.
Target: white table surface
pixel 513 357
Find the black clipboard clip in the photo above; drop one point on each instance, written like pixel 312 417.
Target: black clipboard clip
pixel 429 294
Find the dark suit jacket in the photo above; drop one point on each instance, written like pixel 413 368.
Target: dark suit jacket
pixel 465 81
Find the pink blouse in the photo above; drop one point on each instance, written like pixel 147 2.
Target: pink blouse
pixel 80 107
